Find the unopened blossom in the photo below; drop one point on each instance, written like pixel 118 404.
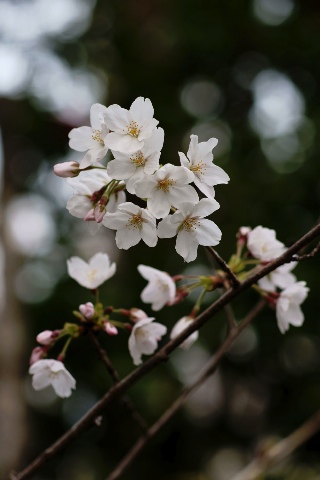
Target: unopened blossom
pixel 92 274
pixel 52 372
pixel 86 201
pixel 47 336
pixel 179 327
pixel 281 277
pixel 288 309
pixel 66 169
pixel 199 160
pixel 87 310
pixel 144 338
pixel 130 128
pixel 263 245
pixel 161 289
pixel 191 228
pixel 167 188
pixel 110 329
pixel 36 354
pixel 132 224
pixel 135 166
pixel 137 314
pixel 91 139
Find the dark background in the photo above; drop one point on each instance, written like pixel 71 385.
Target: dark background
pixel 245 72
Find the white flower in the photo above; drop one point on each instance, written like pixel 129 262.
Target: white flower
pixel 91 138
pixel 179 327
pixel 199 161
pixel 191 228
pixel 132 224
pixel 134 167
pixel 144 338
pixel 86 201
pixel 52 372
pixel 281 277
pixel 288 309
pixel 93 273
pixel 161 289
pixel 130 127
pixel 167 187
pixel 262 244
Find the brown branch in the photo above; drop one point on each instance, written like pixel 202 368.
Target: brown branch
pixel 280 450
pixel 171 411
pixel 225 267
pixel 88 419
pixel 143 426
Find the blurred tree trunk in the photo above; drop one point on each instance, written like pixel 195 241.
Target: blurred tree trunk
pixel 13 427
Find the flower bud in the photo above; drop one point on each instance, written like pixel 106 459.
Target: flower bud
pixel 87 310
pixel 45 337
pixel 99 213
pixel 37 354
pixel 136 314
pixel 110 329
pixel 67 169
pixel 89 217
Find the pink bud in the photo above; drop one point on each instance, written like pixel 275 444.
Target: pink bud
pixel 110 329
pixel 89 217
pixel 99 213
pixel 45 337
pixel 37 354
pixel 87 310
pixel 136 314
pixel 66 169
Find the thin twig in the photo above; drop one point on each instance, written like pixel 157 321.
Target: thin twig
pixel 230 316
pixel 225 267
pixel 307 255
pixel 280 450
pixel 126 401
pixel 87 421
pixel 210 368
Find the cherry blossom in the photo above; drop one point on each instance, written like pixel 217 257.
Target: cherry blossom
pixel 263 245
pixel 288 309
pixel 46 337
pixel 191 228
pixel 161 289
pixel 166 188
pixel 52 372
pixel 91 199
pixel 92 274
pixel 132 224
pixel 179 327
pixel 199 161
pixel 144 338
pixel 133 167
pixel 91 139
pixel 281 277
pixel 130 128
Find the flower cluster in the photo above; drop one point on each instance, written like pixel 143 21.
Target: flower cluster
pixel 135 142
pixel 280 287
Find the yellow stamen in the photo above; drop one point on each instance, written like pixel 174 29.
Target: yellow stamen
pixel 165 184
pixel 97 137
pixel 136 221
pixel 133 129
pixel 199 168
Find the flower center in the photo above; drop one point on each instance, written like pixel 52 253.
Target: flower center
pixel 133 129
pixel 165 184
pixel 97 137
pixel 92 274
pixel 138 159
pixel 162 285
pixel 199 167
pixel 190 224
pixel 136 221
